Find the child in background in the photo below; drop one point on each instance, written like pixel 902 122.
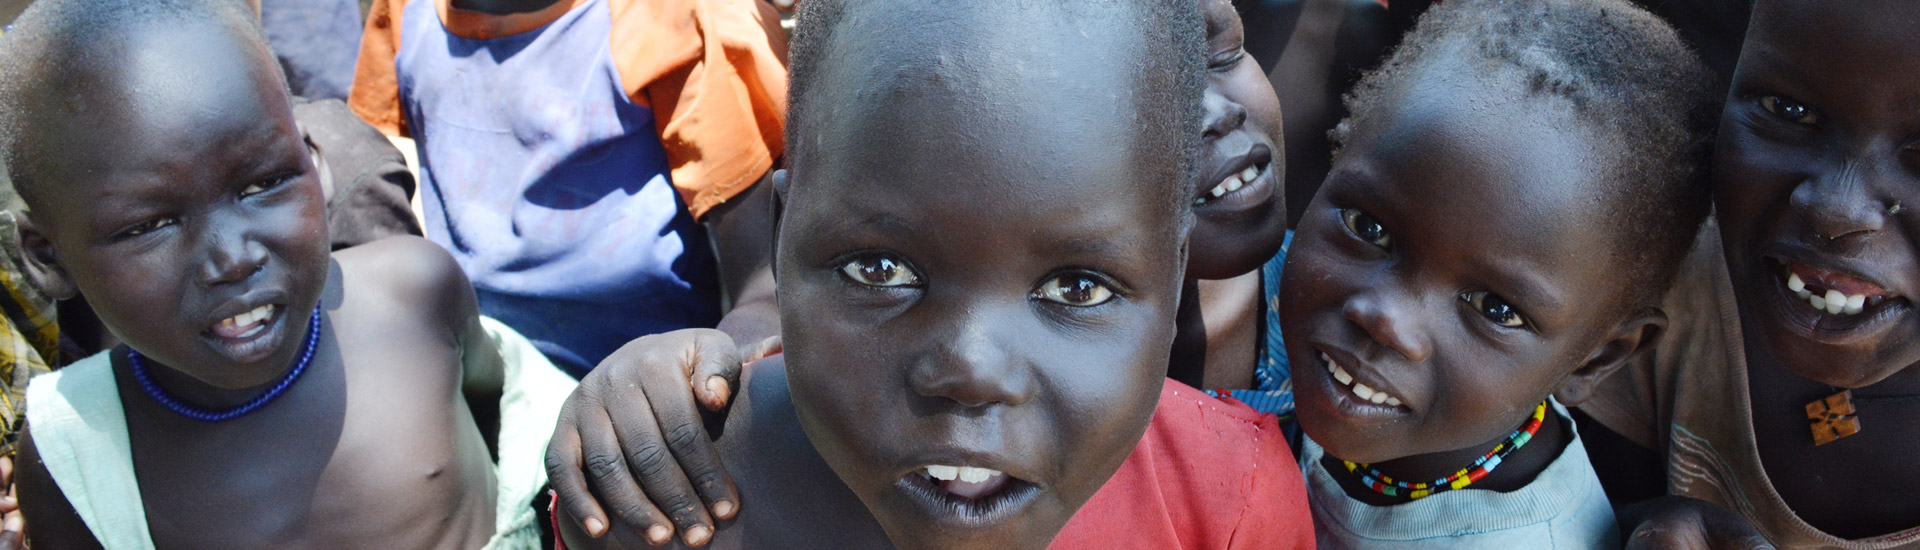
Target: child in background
pixel 1793 403
pixel 272 393
pixel 979 266
pixel 1515 185
pixel 576 156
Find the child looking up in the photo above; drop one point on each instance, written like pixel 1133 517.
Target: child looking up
pixel 979 263
pixel 1511 184
pixel 269 393
pixel 1795 402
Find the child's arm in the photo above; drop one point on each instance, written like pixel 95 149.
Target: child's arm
pixel 631 441
pixel 55 524
pixel 1681 522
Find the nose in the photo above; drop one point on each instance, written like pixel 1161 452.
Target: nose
pixel 231 258
pixel 1223 115
pixel 1839 206
pixel 974 368
pixel 1389 321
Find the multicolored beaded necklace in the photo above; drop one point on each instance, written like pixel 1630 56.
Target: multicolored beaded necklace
pixel 1482 466
pixel 139 364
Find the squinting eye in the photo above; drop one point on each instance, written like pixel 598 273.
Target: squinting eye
pixel 1790 110
pixel 1226 60
pixel 1074 290
pixel 146 227
pixel 1495 309
pixel 880 271
pixel 1366 228
pixel 262 186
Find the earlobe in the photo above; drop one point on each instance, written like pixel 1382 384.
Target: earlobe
pixel 779 181
pixel 1633 337
pixel 42 268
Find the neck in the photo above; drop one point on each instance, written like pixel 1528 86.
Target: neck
pixel 1516 470
pixel 197 393
pixel 502 7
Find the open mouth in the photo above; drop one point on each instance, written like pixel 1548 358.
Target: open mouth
pixel 246 324
pixel 972 496
pixel 1252 167
pixel 1359 390
pixel 1834 306
pixel 248 336
pixel 1832 292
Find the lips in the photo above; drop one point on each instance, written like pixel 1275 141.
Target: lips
pixel 1238 176
pixel 1827 303
pixel 966 491
pixel 253 332
pixel 1358 392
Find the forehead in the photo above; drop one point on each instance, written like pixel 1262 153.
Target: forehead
pixel 176 96
pixel 1489 169
pixel 1005 111
pixel 1863 46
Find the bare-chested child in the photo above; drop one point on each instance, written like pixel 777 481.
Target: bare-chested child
pixel 269 394
pixel 979 259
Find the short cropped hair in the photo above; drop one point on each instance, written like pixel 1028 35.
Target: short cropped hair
pixel 57 49
pixel 1171 80
pixel 1628 77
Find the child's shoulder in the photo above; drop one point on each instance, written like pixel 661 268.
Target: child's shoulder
pixel 1216 474
pixel 405 270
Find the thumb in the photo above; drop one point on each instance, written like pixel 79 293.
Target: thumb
pixel 715 372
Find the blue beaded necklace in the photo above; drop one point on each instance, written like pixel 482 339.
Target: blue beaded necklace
pixel 139 364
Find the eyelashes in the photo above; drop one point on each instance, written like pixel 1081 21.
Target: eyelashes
pixel 886 271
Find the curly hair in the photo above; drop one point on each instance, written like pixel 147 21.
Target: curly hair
pixel 1626 75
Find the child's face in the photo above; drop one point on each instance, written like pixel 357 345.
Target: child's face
pixel 1243 227
pixel 1817 176
pixel 182 196
pixel 980 273
pixel 1452 264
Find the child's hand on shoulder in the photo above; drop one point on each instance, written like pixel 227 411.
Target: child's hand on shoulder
pixel 1676 522
pixel 631 441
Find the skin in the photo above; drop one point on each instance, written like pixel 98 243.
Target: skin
pixel 1815 148
pixel 194 199
pixel 1235 233
pixel 1020 324
pixel 1381 280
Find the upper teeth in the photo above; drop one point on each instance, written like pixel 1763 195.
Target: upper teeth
pixel 1360 390
pixel 1232 183
pixel 967 474
pixel 1833 301
pixel 249 317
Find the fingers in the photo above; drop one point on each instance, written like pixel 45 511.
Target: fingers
pixel 666 448
pixel 610 473
pixel 712 367
pixel 569 483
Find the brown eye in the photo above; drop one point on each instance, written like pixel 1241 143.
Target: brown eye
pixel 880 271
pixel 1788 109
pixel 145 227
pixel 1495 309
pixel 1074 290
pixel 1366 228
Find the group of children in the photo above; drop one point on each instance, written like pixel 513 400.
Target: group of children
pixel 994 229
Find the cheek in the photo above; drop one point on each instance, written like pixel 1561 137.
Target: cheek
pixel 1753 177
pixel 1250 88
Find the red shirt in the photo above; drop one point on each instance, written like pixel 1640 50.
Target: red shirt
pixel 1209 473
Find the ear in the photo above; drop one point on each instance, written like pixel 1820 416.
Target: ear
pixel 779 180
pixel 1636 335
pixel 42 269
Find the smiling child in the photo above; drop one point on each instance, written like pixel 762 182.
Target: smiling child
pixel 1513 182
pixel 270 393
pixel 1796 402
pixel 979 262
